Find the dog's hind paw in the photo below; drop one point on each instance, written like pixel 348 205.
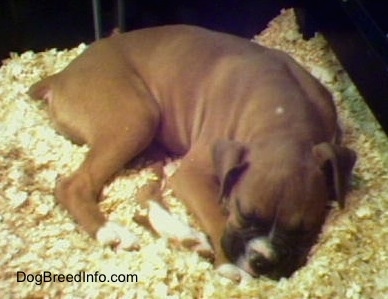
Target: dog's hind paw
pixel 117 236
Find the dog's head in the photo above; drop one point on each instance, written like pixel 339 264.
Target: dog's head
pixel 276 196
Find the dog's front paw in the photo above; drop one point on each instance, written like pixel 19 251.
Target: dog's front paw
pixel 201 245
pixel 166 225
pixel 115 235
pixel 234 273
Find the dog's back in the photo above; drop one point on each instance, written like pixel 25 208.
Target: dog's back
pixel 188 68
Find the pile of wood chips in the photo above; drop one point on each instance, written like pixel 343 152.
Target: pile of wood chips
pixel 36 235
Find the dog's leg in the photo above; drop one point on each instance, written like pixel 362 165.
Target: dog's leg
pixel 116 119
pixel 195 183
pixel 114 139
pixel 79 193
pixel 154 156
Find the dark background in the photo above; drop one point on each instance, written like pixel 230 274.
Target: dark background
pixel 357 30
pixel 41 24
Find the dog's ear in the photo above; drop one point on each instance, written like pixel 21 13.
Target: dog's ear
pixel 337 163
pixel 43 89
pixel 229 161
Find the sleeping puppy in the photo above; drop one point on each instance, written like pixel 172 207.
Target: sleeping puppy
pixel 257 134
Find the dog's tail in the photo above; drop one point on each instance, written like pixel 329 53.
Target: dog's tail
pixel 43 89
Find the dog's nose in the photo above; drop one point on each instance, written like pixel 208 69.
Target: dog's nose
pixel 261 264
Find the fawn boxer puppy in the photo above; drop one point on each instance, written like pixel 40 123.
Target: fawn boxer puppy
pixel 257 135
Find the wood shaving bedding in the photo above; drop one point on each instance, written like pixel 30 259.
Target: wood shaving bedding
pixel 36 235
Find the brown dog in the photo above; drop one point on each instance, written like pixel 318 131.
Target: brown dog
pixel 256 132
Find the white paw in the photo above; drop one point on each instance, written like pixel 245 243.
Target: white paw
pixel 118 236
pixel 202 246
pixel 168 226
pixel 234 273
pixel 165 224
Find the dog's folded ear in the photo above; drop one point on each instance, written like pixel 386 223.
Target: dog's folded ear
pixel 337 163
pixel 229 161
pixel 42 90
